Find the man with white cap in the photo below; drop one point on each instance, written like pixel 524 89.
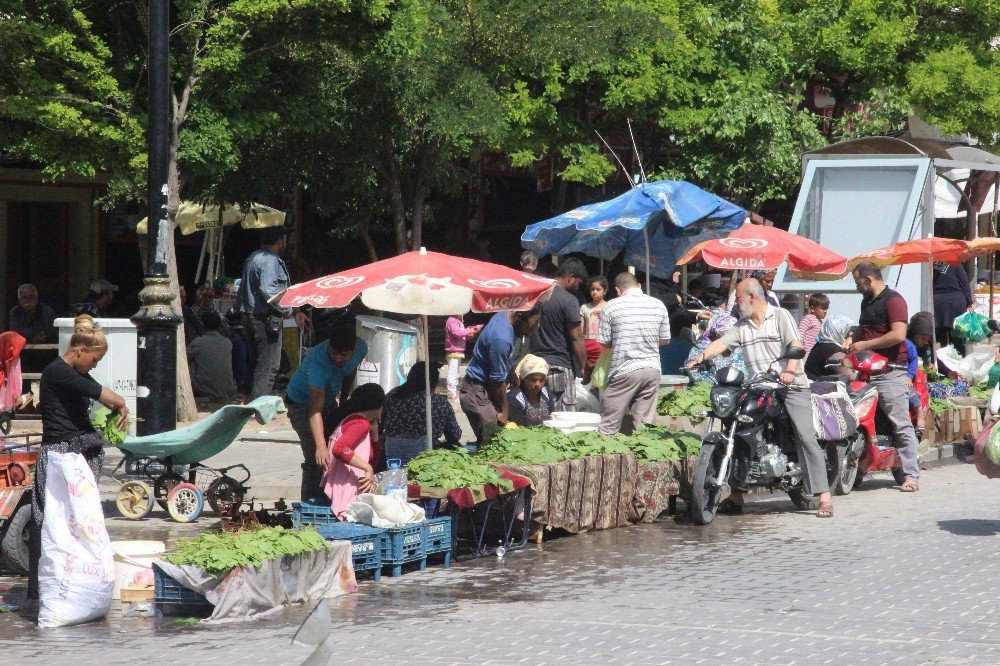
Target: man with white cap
pixel 98 300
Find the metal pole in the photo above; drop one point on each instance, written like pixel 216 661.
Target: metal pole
pixel 645 241
pixel 156 321
pixel 427 385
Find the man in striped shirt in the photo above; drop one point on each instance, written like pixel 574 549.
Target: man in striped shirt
pixel 765 332
pixel 632 326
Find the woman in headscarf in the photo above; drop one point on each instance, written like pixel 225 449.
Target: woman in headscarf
pixel 718 324
pixel 11 345
pixel 404 419
pixel 529 404
pixel 829 348
pixel 354 447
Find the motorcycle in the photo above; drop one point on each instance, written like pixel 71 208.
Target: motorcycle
pixel 754 447
pixel 871 450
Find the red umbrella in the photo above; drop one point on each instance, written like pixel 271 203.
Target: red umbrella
pixel 918 251
pixel 756 247
pixel 424 283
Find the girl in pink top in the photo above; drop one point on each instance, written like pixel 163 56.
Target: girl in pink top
pixel 353 449
pixel 456 334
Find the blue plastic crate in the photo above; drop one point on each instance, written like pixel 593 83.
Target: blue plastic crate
pixel 172 598
pixel 437 537
pixel 401 545
pixel 366 547
pixel 304 513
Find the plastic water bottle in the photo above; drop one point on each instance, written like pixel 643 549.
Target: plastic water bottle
pixel 393 480
pixel 501 551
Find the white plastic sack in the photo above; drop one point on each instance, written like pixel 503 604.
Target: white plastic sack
pixel 383 511
pixel 974 368
pixel 76 573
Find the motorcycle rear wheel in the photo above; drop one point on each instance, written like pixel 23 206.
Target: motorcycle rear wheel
pixel 840 470
pixel 704 496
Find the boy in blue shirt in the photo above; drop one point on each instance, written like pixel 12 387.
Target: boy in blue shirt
pixel 327 371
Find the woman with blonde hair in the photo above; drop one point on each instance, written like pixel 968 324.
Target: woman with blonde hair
pixel 65 394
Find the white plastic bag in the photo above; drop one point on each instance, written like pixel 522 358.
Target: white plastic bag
pixel 76 574
pixel 974 368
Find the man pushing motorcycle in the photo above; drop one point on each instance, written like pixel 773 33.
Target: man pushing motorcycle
pixel 765 332
pixel 882 329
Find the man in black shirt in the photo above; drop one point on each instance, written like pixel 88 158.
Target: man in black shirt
pixel 559 338
pixel 882 330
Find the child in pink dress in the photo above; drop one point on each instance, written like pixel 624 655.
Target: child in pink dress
pixel 456 335
pixel 353 448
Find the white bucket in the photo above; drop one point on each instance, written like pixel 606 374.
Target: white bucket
pixel 131 559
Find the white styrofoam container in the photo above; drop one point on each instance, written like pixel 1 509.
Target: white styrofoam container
pixel 118 370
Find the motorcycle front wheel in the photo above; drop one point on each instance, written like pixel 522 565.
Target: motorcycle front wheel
pixel 705 495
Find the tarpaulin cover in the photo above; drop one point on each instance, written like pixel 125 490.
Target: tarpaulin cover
pixel 248 592
pixel 202 440
pixel 675 214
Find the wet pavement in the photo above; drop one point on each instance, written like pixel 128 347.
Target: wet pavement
pixel 894 578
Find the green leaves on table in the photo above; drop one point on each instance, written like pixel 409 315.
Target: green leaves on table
pixel 938 405
pixel 219 553
pixel 453 468
pixel 538 445
pixel 980 391
pixel 685 402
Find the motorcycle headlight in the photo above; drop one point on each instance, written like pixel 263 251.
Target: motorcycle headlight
pixel 878 365
pixel 848 363
pixel 723 402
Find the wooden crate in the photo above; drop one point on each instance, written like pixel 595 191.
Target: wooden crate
pixel 957 425
pixel 138 593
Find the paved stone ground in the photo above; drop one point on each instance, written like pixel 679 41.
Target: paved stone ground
pixel 894 578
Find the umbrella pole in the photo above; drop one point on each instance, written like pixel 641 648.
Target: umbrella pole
pixel 427 384
pixel 645 241
pixel 201 260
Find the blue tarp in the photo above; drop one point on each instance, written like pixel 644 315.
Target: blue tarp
pixel 676 215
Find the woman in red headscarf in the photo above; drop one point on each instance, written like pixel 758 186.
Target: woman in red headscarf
pixel 11 345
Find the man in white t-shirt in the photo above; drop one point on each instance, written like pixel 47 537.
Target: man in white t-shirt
pixel 632 326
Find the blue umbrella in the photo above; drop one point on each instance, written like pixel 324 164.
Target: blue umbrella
pixel 655 223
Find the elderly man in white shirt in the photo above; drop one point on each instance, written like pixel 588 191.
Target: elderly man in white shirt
pixel 632 326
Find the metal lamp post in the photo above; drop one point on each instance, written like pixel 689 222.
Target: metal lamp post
pixel 156 320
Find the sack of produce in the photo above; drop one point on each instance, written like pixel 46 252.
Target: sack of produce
pixel 599 375
pixel 76 573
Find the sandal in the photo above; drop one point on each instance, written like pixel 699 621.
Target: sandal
pixel 909 486
pixel 919 432
pixel 729 508
pixel 825 510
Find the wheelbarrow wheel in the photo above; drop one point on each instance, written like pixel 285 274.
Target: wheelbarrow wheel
pixel 134 500
pixel 184 503
pixel 224 494
pixel 163 485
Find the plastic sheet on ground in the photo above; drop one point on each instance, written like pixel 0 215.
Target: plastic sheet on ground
pixel 202 440
pixel 251 592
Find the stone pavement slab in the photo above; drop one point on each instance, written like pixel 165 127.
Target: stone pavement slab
pixel 893 578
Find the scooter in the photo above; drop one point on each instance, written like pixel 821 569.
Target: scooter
pixel 871 450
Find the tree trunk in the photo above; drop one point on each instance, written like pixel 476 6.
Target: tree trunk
pixel 366 238
pixel 187 410
pixel 391 174
pixel 419 194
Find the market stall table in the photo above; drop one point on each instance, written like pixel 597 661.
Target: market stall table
pixel 477 512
